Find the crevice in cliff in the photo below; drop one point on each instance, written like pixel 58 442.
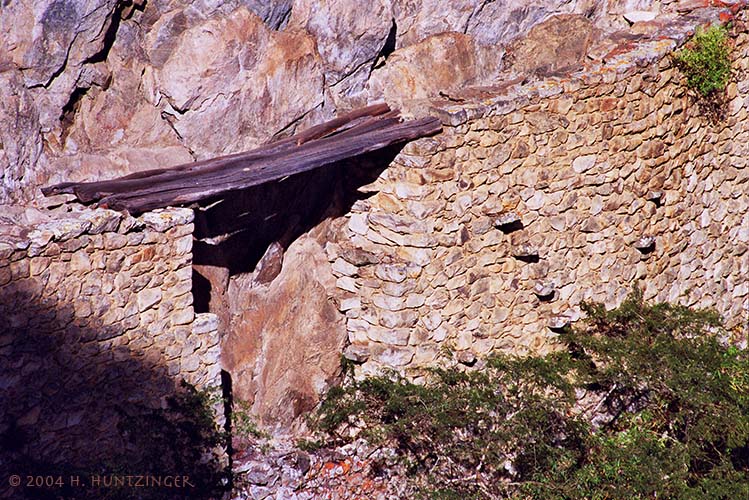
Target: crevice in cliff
pixel 227 396
pixel 388 47
pixel 284 21
pixel 59 71
pixel 475 14
pixel 170 119
pixel 69 111
pixel 109 35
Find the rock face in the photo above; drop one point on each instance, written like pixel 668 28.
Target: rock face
pixel 274 13
pixel 95 88
pixel 556 45
pixel 63 33
pixel 221 81
pixel 439 63
pixel 285 346
pixel 349 40
pixel 21 141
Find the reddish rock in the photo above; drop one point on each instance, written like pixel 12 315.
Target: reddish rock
pixel 285 343
pixel 556 45
pixel 440 63
pixel 230 83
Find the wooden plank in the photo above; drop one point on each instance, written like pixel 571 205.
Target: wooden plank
pixel 358 132
pixel 223 169
pixel 196 189
pixel 217 168
pixel 87 192
pixel 321 147
pixel 302 160
pixel 327 128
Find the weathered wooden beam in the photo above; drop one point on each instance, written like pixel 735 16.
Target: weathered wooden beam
pixel 332 126
pixel 217 168
pixel 87 192
pixel 317 154
pixel 360 131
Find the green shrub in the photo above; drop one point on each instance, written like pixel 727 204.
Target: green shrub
pixel 671 408
pixel 705 61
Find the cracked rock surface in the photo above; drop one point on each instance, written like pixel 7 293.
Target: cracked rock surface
pixel 99 88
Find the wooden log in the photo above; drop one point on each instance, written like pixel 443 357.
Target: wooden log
pixel 331 126
pixel 87 192
pixel 244 171
pixel 61 188
pixel 360 131
pixel 307 157
pixel 213 171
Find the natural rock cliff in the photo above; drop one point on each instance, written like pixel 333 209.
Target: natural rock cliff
pixel 92 88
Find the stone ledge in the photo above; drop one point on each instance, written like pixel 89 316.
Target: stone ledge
pixel 70 225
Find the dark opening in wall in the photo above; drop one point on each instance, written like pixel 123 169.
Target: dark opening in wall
pixel 389 46
pixel 201 292
pixel 235 232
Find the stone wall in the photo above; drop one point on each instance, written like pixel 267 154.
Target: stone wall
pixel 537 197
pixel 97 326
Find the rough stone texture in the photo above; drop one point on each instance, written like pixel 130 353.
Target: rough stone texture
pixel 439 63
pixel 100 88
pixel 112 89
pixel 349 37
pixel 500 21
pixel 578 160
pixel 224 75
pixel 284 349
pixel 274 13
pixel 556 45
pixel 96 313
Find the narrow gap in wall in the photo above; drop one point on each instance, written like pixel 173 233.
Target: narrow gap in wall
pixel 201 292
pixel 388 48
pixel 227 396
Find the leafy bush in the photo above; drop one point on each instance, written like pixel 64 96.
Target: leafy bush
pixel 705 61
pixel 641 402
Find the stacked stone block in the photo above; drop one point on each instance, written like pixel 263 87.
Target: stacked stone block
pixel 96 319
pixel 490 235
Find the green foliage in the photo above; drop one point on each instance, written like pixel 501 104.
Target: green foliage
pixel 665 414
pixel 243 424
pixel 705 61
pixel 309 445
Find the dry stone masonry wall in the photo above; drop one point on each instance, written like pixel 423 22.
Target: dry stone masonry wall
pixel 97 321
pixel 490 235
